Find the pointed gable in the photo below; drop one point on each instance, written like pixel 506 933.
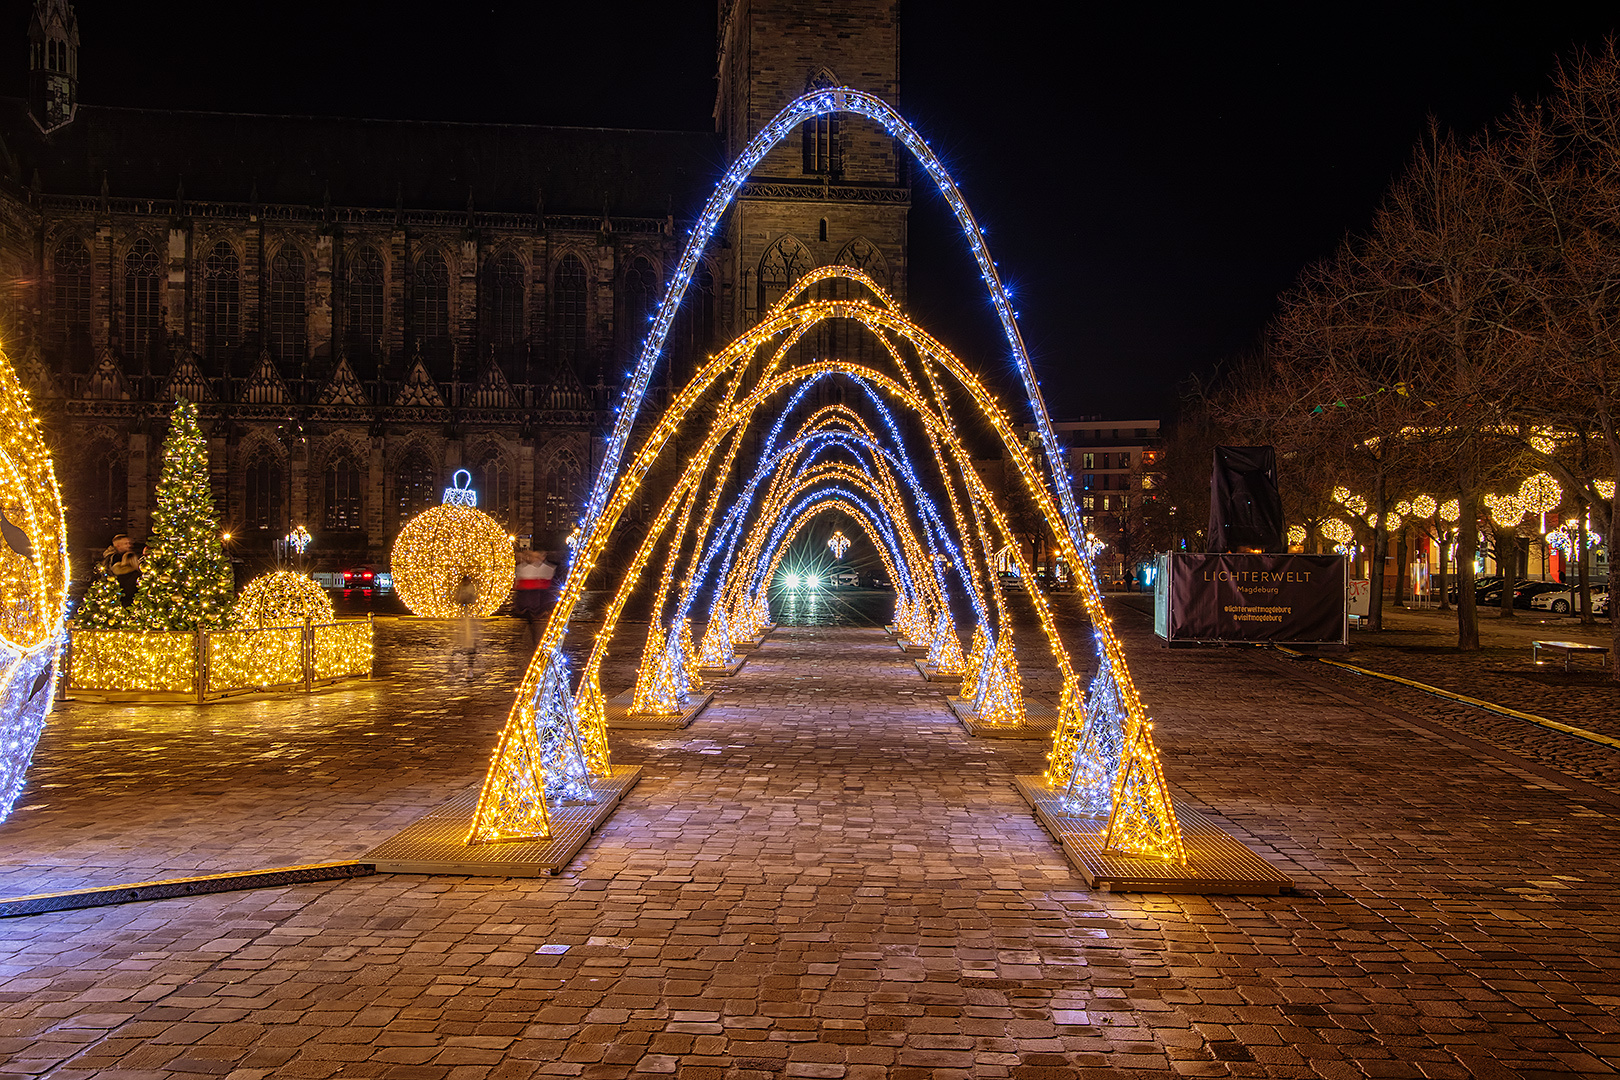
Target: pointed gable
pixel 36 373
pixel 107 382
pixel 419 388
pixel 266 386
pixel 344 387
pixel 188 381
pixel 493 391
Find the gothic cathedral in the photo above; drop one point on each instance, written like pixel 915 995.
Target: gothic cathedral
pixel 362 307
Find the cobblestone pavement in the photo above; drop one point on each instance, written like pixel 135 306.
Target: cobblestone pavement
pixel 822 877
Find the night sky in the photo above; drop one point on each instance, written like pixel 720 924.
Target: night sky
pixel 1150 178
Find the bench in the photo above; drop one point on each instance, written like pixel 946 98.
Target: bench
pixel 1568 648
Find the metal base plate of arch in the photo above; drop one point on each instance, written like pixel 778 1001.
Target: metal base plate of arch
pixel 1217 862
pixel 436 843
pixel 755 642
pixel 723 672
pixel 933 674
pixel 619 715
pixel 1040 721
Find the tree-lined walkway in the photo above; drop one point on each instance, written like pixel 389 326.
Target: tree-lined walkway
pixel 823 876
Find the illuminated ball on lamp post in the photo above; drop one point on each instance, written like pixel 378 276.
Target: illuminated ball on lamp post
pixel 283 598
pixel 441 545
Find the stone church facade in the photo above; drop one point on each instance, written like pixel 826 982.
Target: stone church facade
pixel 360 308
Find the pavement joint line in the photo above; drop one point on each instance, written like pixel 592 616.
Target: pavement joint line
pixel 1488 706
pixel 170 888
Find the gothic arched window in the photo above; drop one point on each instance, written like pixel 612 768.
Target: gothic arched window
pixel 785 262
pixel 143 306
pixel 287 333
pixel 693 334
pixel 638 293
pixel 492 479
pixel 503 303
pixel 430 308
pixel 345 493
pixel 70 306
pixel 569 304
pixel 415 485
pixel 559 493
pixel 262 489
pixel 823 154
pixel 364 306
pixel 222 301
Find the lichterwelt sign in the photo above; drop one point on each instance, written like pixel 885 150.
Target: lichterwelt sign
pixel 1284 599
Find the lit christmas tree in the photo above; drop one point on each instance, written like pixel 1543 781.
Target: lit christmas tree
pixel 186 581
pixel 102 607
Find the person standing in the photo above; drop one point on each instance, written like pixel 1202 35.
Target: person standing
pixel 531 590
pixel 465 647
pixel 124 565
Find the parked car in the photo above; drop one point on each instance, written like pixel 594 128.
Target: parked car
pixel 1526 591
pixel 843 579
pixel 1565 600
pixel 359 577
pixel 1486 589
pixel 1600 605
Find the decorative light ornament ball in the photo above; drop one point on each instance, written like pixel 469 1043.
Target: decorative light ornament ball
pixel 1337 531
pixel 1450 511
pixel 441 545
pixel 33 585
pixel 1540 493
pixel 1424 506
pixel 283 598
pixel 1296 535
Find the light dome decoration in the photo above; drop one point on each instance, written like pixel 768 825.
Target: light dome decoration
pixel 441 545
pixel 283 598
pixel 33 585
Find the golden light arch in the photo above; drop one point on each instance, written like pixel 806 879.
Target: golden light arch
pixel 1104 751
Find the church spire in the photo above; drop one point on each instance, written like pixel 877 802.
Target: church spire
pixel 53 63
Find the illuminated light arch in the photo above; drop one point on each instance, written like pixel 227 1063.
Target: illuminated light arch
pixel 1138 760
pixel 1141 819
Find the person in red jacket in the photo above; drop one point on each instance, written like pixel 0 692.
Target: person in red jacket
pixel 531 589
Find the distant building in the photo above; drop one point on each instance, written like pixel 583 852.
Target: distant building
pixel 361 307
pixel 1112 464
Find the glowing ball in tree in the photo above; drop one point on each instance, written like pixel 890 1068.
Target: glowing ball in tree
pixel 33 585
pixel 443 544
pixel 283 598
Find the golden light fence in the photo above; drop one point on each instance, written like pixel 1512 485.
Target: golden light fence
pixel 208 665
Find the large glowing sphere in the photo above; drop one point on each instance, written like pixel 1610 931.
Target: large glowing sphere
pixel 283 598
pixel 33 585
pixel 440 546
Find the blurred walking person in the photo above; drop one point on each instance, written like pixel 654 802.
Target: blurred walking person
pixel 464 642
pixel 531 591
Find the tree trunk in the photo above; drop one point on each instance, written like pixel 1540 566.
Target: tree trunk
pixel 1507 564
pixel 1400 567
pixel 1380 545
pixel 1467 547
pixel 1440 560
pixel 1581 541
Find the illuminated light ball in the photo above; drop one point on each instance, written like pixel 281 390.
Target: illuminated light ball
pixel 283 598
pixel 1542 444
pixel 1424 506
pixel 1337 531
pixel 1540 493
pixel 1296 535
pixel 1605 488
pixel 1450 511
pixel 441 545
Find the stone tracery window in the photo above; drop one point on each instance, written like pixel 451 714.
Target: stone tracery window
pixel 570 298
pixel 415 485
pixel 492 479
pixel 222 302
pixel 559 493
pixel 823 154
pixel 345 493
pixel 287 333
pixel 70 305
pixel 263 487
pixel 143 308
pixel 503 304
pixel 638 294
pixel 431 310
pixel 693 334
pixel 365 311
pixel 785 262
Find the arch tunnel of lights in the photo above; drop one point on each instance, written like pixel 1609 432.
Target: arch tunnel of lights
pixel 770 461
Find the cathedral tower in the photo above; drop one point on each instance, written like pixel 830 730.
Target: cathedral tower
pixel 53 64
pixel 837 192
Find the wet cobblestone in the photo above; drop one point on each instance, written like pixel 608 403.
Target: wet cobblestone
pixel 823 876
